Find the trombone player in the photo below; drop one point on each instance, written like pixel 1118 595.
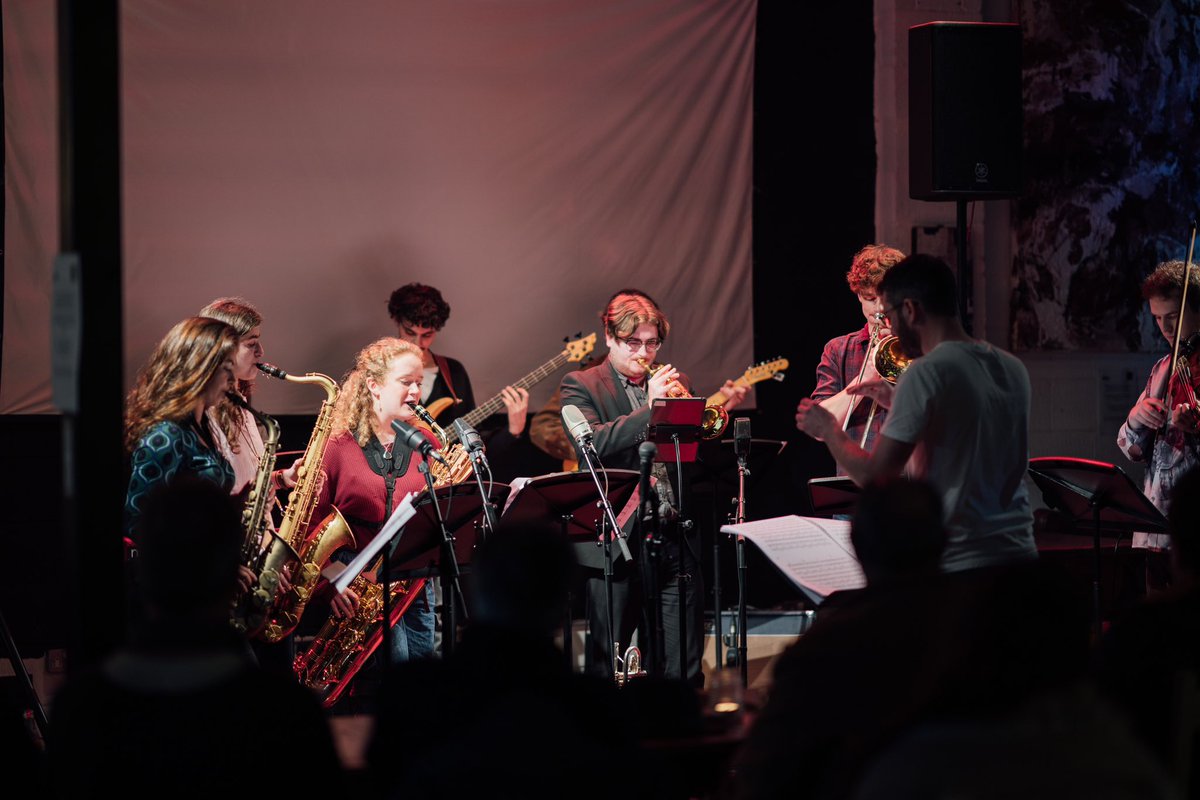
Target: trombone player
pixel 960 412
pixel 848 360
pixel 615 397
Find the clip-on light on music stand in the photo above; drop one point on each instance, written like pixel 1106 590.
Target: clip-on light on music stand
pixel 1102 492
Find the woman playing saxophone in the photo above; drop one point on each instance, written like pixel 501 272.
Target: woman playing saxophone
pixel 244 449
pixel 364 478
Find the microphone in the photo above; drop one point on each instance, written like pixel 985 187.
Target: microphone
pixel 415 440
pixel 646 453
pixel 741 438
pixel 577 426
pixel 468 435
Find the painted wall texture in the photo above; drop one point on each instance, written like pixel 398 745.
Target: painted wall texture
pixel 1111 94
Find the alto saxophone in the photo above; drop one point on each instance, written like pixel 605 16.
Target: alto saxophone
pixel 342 646
pixel 250 608
pixel 290 546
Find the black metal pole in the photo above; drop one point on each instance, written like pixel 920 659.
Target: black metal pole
pixel 95 476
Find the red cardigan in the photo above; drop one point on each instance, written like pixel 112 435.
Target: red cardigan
pixel 357 490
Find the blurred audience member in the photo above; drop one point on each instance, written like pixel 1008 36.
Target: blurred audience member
pixel 458 735
pixel 1151 655
pixel 870 663
pixel 183 711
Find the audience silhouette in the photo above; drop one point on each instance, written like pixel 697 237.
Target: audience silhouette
pixel 1150 658
pixel 504 713
pixel 183 710
pixel 867 666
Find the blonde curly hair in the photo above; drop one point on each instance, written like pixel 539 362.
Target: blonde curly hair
pixel 354 411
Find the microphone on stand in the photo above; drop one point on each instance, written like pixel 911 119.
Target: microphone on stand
pixel 415 440
pixel 646 453
pixel 578 427
pixel 469 437
pixel 741 439
pixel 581 431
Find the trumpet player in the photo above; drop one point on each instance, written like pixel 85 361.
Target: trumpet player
pixel 958 418
pixel 849 359
pixel 615 398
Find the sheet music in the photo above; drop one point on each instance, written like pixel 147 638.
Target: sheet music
pixel 403 513
pixel 815 553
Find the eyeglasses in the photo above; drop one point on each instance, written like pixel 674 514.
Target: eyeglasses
pixel 637 344
pixel 889 314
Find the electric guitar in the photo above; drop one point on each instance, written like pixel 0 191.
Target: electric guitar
pixel 574 351
pixel 760 372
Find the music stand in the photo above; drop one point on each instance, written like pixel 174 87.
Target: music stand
pixel 418 552
pixel 1082 488
pixel 833 495
pixel 720 472
pixel 676 421
pixel 570 498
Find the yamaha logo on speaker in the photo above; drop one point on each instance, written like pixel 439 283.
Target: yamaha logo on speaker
pixel 981 172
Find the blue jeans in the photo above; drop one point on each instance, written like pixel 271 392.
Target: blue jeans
pixel 412 636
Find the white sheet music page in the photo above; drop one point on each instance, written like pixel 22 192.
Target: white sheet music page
pixel 815 553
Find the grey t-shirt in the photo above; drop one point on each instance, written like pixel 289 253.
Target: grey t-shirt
pixel 966 407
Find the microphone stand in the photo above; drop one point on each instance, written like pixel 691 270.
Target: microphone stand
pixel 478 460
pixel 743 624
pixel 651 535
pixel 683 526
pixel 588 452
pixel 448 568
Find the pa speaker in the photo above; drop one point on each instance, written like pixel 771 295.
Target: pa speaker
pixel 964 111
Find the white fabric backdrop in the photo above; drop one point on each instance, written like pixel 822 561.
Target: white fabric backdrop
pixel 528 158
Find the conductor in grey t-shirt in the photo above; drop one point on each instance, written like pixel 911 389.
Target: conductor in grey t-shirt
pixel 958 418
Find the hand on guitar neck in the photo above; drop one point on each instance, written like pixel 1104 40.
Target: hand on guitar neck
pixel 514 398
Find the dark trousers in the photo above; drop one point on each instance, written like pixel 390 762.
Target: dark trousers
pixel 632 611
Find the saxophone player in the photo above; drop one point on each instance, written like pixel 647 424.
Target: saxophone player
pixel 168 430
pixel 846 359
pixel 245 447
pixel 365 477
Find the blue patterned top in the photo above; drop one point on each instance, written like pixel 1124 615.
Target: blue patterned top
pixel 169 449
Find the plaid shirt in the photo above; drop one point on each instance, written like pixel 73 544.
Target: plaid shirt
pixel 842 362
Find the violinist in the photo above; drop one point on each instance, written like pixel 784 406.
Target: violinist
pixel 848 359
pixel 1163 427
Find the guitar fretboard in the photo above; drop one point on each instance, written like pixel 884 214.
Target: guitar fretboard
pixel 485 410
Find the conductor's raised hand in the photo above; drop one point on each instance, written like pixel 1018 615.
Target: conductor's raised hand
pixel 813 419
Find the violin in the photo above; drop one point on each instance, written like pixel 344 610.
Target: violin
pixel 1181 387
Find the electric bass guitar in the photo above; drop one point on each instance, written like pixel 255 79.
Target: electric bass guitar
pixel 573 351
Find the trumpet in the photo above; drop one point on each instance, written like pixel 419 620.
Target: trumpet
pixel 715 418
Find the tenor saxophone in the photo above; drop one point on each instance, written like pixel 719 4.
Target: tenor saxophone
pixel 342 646
pixel 306 555
pixel 250 608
